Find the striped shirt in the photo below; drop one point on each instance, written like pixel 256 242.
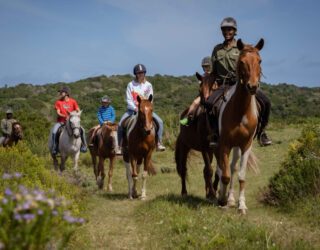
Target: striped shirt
pixel 106 114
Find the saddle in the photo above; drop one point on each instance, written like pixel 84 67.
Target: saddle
pixel 130 122
pixel 97 131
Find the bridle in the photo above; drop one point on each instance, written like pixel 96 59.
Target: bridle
pixel 71 128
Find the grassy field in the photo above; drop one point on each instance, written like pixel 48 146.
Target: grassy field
pixel 167 221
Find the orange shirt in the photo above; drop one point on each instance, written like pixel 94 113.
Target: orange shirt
pixel 65 107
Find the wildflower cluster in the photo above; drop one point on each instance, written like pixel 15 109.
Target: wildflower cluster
pixel 30 218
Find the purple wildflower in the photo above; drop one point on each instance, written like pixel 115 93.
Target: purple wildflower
pixel 8 192
pixel 17 217
pixel 81 220
pixel 17 175
pixel 40 212
pixel 54 212
pixel 23 190
pixel 69 219
pixel 28 217
pixel 4 200
pixel 26 205
pixel 6 176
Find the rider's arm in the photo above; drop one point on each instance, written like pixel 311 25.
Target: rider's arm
pixel 60 114
pixel 130 101
pixel 99 116
pixel 113 114
pixel 4 126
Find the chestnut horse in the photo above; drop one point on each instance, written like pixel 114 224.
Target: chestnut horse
pixel 15 136
pixel 238 121
pixel 195 136
pixel 138 146
pixel 103 147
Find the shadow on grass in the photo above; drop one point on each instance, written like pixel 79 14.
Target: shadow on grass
pixel 114 196
pixel 192 202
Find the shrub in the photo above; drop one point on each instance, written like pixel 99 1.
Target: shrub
pixel 31 218
pixel 299 176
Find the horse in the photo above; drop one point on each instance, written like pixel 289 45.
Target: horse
pixel 69 141
pixel 103 147
pixel 195 136
pixel 238 120
pixel 15 136
pixel 138 146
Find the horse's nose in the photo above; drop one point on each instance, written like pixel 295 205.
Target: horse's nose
pixel 252 88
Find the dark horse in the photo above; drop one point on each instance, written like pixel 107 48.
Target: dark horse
pixel 195 136
pixel 15 136
pixel 103 147
pixel 138 145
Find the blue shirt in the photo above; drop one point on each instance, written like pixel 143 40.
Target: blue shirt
pixel 106 114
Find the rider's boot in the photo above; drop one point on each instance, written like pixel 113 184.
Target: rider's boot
pixel 54 148
pixel 83 147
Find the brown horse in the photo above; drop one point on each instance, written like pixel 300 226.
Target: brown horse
pixel 103 147
pixel 15 136
pixel 238 121
pixel 138 146
pixel 195 136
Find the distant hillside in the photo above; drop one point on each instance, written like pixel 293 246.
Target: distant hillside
pixel 172 95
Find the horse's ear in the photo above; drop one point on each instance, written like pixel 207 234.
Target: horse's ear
pixel 240 44
pixel 138 99
pixel 260 44
pixel 150 98
pixel 199 77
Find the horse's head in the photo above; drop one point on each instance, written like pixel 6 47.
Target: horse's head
pixel 205 85
pixel 145 114
pixel 248 68
pixel 74 123
pixel 17 131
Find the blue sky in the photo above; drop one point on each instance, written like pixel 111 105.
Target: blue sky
pixel 67 40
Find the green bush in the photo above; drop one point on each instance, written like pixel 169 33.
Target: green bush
pixel 299 176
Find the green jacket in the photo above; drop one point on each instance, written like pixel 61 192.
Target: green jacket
pixel 6 126
pixel 224 62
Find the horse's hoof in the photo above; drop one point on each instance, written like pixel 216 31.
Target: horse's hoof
pixel 110 188
pixel 211 197
pixel 242 211
pixel 143 198
pixel 231 203
pixel 222 202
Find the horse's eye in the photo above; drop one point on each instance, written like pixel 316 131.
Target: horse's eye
pixel 260 61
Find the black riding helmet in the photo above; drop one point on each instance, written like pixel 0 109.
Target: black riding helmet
pixel 139 68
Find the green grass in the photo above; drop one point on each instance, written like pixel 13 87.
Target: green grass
pixel 167 221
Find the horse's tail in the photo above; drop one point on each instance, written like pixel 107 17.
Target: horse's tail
pixel 253 163
pixel 180 158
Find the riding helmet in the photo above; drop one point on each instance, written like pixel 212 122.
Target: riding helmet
pixel 9 111
pixel 229 22
pixel 206 61
pixel 106 99
pixel 139 68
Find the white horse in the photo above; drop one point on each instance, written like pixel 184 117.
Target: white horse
pixel 69 142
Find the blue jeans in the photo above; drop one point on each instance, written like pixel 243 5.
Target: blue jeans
pixel 130 113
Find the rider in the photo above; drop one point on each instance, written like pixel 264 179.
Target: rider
pixel 64 106
pixel 6 126
pixel 139 86
pixel 106 114
pixel 224 60
pixel 207 67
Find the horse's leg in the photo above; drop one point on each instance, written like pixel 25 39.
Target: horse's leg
pixel 129 178
pixel 225 175
pixel 75 161
pixel 217 174
pixel 110 173
pixel 181 156
pixel 235 158
pixel 63 162
pixel 94 162
pixel 55 162
pixel 101 174
pixel 242 176
pixel 134 177
pixel 207 174
pixel 147 162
